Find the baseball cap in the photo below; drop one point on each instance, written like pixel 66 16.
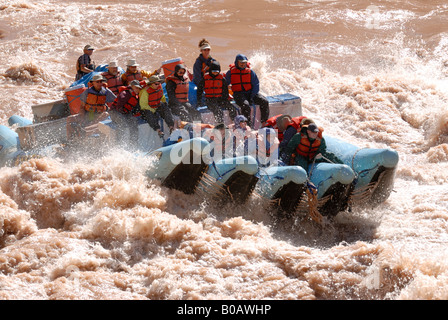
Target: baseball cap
pixel 313 127
pixel 136 83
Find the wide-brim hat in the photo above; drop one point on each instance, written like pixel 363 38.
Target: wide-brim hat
pixel 97 77
pixel 153 79
pixel 132 63
pixel 113 64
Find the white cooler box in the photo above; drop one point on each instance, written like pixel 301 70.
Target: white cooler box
pixel 280 104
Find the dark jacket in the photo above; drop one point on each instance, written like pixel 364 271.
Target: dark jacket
pixel 197 67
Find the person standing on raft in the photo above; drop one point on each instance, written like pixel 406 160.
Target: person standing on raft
pixel 202 64
pixel 84 64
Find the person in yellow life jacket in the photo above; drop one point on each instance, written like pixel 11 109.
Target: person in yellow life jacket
pixel 153 105
pixel 113 77
pixel 304 146
pixel 94 100
pixel 177 87
pixel 84 64
pixel 124 111
pixel 133 72
pixel 246 88
pixel 216 91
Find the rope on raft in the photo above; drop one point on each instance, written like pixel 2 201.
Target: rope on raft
pixel 311 192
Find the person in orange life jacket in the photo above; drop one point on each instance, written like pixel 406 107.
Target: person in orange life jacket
pixel 246 87
pixel 203 62
pixel 216 90
pixel 124 112
pixel 177 87
pixel 94 100
pixel 84 64
pixel 113 77
pixel 305 146
pixel 153 104
pixel 133 73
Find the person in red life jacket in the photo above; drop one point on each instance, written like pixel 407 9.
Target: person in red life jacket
pixel 307 147
pixel 133 73
pixel 246 88
pixel 113 77
pixel 177 86
pixel 153 105
pixel 124 112
pixel 95 99
pixel 203 62
pixel 84 64
pixel 286 127
pixel 216 91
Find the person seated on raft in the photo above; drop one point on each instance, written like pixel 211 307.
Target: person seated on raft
pixel 203 62
pixel 153 104
pixel 286 127
pixel 95 100
pixel 246 88
pixel 242 133
pixel 216 91
pixel 221 142
pixel 124 112
pixel 308 147
pixel 84 64
pixel 113 77
pixel 177 87
pixel 133 72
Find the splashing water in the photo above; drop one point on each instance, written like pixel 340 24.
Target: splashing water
pixel 97 228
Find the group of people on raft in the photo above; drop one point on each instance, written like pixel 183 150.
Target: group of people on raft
pixel 138 93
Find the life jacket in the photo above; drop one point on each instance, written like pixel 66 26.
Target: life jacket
pixel 131 103
pixel 96 101
pixel 113 82
pixel 133 76
pixel 240 79
pixel 204 68
pixel 213 86
pixel 272 122
pixel 181 87
pixel 307 149
pixel 154 96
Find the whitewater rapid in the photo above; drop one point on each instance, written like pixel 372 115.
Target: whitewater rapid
pixel 97 228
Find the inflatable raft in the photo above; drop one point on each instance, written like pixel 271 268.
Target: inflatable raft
pixel 180 166
pixel 364 180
